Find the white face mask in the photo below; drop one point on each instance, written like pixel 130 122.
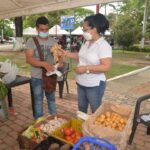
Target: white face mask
pixel 87 36
pixel 43 34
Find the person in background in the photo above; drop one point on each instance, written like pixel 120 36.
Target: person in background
pixel 94 59
pixel 32 58
pixel 62 41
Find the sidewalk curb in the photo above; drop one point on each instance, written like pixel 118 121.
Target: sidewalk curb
pixel 130 73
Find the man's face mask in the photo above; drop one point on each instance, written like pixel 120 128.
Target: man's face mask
pixel 43 34
pixel 87 36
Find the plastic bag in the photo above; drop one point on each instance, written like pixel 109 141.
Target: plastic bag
pixel 5 66
pixel 55 72
pixel 11 75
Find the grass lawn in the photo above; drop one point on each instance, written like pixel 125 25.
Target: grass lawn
pixel 123 62
pixel 117 69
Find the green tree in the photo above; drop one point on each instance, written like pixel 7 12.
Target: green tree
pixel 126 31
pixel 5 27
pixel 54 17
pixel 136 8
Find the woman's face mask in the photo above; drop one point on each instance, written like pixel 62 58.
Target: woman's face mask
pixel 43 34
pixel 87 36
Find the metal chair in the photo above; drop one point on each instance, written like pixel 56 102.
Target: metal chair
pixel 138 117
pixel 64 71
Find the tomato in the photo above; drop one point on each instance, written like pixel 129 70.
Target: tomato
pixel 73 135
pixel 77 133
pixel 67 131
pixel 72 130
pixel 68 138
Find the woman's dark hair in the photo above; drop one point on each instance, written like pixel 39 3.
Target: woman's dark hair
pixel 42 20
pixel 98 21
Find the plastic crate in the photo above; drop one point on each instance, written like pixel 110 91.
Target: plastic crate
pixel 74 123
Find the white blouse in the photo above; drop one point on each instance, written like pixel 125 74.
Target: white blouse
pixel 91 55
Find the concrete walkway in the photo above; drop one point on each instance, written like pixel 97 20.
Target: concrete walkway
pixel 122 90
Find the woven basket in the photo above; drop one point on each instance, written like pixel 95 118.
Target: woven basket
pixel 24 142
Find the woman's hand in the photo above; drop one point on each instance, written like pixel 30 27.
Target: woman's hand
pixel 80 70
pixel 64 52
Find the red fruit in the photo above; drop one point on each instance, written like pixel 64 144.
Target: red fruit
pixel 67 131
pixel 68 138
pixel 72 130
pixel 79 134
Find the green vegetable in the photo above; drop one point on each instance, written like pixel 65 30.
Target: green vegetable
pixel 3 90
pixel 40 120
pixel 29 132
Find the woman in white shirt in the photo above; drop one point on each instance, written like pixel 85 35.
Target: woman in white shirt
pixel 95 58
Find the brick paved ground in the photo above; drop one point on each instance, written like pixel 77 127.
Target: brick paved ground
pixel 124 90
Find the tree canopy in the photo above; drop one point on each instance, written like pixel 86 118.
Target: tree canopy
pixel 54 17
pixel 128 24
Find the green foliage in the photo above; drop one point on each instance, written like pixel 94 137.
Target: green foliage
pixel 134 48
pixel 54 17
pixel 7 31
pixel 126 31
pixel 3 90
pixel 127 24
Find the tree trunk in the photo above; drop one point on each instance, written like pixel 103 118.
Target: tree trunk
pixel 144 23
pixel 19 32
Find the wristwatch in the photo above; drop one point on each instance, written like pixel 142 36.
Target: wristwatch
pixel 87 70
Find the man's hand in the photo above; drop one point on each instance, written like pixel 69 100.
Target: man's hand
pixel 48 67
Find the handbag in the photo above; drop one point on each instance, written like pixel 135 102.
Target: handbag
pixel 49 82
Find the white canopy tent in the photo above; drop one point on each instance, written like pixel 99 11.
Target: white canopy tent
pixel 56 30
pixel 14 8
pixel 77 31
pixel 30 31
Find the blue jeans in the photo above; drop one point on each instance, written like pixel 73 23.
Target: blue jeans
pixel 90 95
pixel 38 94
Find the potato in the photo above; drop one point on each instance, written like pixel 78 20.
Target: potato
pixel 112 120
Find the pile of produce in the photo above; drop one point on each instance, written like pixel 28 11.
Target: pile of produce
pixel 112 120
pixel 71 135
pixel 51 125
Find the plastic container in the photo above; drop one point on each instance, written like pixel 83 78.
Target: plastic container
pixel 74 123
pixel 92 143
